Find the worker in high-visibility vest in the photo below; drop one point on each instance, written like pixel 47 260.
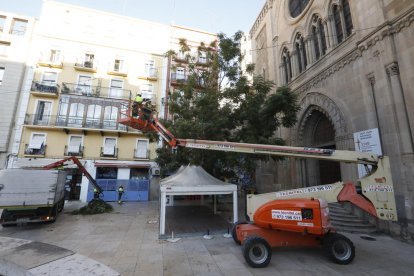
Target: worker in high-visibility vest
pixel 120 193
pixel 136 105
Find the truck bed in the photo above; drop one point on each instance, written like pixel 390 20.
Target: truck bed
pixel 24 188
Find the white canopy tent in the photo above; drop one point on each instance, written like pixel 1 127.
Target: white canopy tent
pixel 193 180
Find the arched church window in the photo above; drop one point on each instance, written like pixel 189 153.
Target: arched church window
pixel 337 23
pixel 316 42
pixel 300 53
pixel 323 36
pixel 347 17
pixel 296 7
pixel 287 66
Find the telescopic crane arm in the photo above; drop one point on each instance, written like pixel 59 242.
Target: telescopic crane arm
pixel 373 193
pixel 80 166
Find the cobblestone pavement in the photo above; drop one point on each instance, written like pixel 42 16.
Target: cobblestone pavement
pixel 127 241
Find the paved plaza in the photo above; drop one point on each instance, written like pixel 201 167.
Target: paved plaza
pixel 126 241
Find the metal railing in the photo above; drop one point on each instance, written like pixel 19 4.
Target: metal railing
pixel 114 155
pixel 78 153
pixel 72 121
pixel 94 91
pixel 37 152
pixel 85 64
pixel 139 155
pixel 179 77
pixel 45 87
pixel 151 73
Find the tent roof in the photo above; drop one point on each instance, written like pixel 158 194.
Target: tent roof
pixel 196 179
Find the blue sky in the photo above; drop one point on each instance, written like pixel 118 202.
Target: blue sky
pixel 215 16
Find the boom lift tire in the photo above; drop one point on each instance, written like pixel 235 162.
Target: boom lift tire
pixel 339 248
pixel 257 252
pixel 233 231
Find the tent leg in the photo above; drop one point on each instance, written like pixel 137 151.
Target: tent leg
pixel 162 213
pixel 215 204
pixel 235 207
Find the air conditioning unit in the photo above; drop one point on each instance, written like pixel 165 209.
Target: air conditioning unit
pixel 156 171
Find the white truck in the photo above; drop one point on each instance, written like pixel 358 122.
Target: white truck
pixel 31 195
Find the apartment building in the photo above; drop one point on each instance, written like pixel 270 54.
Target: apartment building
pixel 16 33
pixel 87 65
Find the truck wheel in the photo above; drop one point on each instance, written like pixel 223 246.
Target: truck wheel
pixel 61 206
pixel 257 252
pixel 339 248
pixel 233 231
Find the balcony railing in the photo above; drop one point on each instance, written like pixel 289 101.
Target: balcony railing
pixel 150 73
pixel 50 63
pixel 85 66
pixel 72 121
pixel 45 87
pixel 107 154
pixel 70 152
pixel 141 155
pixel 36 152
pixel 95 91
pixel 178 78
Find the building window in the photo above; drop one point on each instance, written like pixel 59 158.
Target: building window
pixel 37 144
pixel 202 57
pixel 54 56
pixel 337 23
pixel 296 7
pixel 147 91
pixel 180 73
pixel 109 146
pixel 2 23
pixel 93 116
pixel 4 47
pixel 110 117
pixel 119 65
pixel 84 85
pixel 106 173
pixel 42 116
pixel 347 17
pixel 49 78
pixel 2 69
pixel 316 42
pixel 301 53
pixel 323 37
pixel 75 145
pixel 18 27
pixel 116 89
pixel 150 70
pixel 141 152
pixel 89 60
pixel 76 112
pixel 287 66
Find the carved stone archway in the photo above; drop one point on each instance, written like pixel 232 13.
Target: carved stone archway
pixel 321 124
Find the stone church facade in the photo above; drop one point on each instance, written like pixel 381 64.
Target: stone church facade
pixel 351 64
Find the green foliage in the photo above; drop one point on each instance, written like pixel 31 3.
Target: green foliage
pixel 95 206
pixel 219 103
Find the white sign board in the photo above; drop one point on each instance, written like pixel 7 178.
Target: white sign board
pixel 367 141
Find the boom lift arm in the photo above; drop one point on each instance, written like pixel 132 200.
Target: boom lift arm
pixel 373 193
pixel 80 166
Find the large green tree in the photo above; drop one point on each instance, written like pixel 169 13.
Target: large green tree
pixel 218 102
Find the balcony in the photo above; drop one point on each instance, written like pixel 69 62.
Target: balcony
pixel 109 153
pixel 45 88
pixel 50 63
pixel 149 74
pixel 80 89
pixel 181 57
pixel 141 155
pixel 74 151
pixel 31 152
pixel 177 79
pixel 115 71
pixel 73 122
pixel 86 66
pixel 95 91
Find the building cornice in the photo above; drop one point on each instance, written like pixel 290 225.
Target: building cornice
pixel 383 31
pixel 267 6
